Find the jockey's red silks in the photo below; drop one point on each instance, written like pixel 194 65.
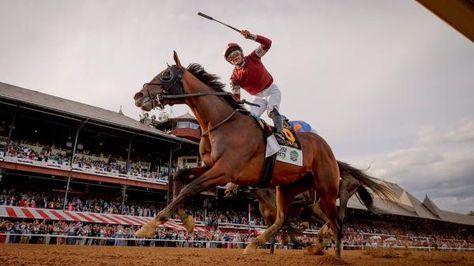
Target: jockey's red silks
pixel 253 76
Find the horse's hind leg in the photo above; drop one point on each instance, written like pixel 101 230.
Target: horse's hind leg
pixel 284 197
pixel 348 187
pixel 282 202
pixel 319 215
pixel 327 186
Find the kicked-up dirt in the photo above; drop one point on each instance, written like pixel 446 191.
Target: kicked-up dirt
pixel 18 254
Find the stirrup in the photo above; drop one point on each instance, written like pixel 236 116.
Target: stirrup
pixel 279 137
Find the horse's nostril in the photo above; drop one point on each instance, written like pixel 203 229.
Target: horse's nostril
pixel 138 95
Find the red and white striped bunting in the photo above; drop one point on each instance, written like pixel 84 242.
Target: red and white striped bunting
pixel 87 217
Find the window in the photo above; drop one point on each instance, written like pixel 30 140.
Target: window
pixel 193 125
pixel 182 124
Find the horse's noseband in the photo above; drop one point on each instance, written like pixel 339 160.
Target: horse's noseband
pixel 170 81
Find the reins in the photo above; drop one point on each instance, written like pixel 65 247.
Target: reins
pixel 171 81
pixel 196 94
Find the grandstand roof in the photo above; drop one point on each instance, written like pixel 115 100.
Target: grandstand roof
pixel 407 205
pixel 79 110
pixel 186 116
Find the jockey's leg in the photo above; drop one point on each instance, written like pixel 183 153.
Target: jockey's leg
pixel 273 96
pixel 262 106
pixel 277 122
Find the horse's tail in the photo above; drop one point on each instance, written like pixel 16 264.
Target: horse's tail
pixel 366 181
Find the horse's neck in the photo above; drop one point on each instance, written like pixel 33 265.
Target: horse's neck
pixel 209 110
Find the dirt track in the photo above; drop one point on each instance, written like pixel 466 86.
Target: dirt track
pixel 87 255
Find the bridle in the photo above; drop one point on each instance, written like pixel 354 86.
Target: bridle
pixel 171 81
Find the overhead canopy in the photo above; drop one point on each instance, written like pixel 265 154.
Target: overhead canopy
pixel 406 204
pixel 80 110
pixel 457 13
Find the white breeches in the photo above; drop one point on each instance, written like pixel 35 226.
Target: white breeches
pixel 267 100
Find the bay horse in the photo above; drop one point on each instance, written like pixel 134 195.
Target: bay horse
pixel 232 148
pixel 306 205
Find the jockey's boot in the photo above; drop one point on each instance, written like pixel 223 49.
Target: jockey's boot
pixel 278 123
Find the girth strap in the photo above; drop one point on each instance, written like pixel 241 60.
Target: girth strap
pixel 267 171
pixel 268 162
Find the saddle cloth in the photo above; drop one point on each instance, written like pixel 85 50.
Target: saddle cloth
pixel 283 153
pixel 289 150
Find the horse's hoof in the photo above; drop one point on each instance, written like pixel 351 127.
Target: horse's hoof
pixel 148 230
pixel 314 250
pixel 188 223
pixel 250 249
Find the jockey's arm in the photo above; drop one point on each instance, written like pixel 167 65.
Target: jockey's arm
pixel 265 43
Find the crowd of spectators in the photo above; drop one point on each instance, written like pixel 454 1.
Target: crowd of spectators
pixel 84 161
pixel 55 200
pixel 88 203
pixel 389 235
pixel 77 233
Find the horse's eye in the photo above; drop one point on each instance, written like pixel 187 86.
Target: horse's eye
pixel 166 75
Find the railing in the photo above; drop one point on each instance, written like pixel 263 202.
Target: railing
pixel 257 227
pixel 11 238
pixel 429 248
pixel 75 168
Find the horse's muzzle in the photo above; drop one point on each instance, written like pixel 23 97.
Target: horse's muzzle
pixel 139 99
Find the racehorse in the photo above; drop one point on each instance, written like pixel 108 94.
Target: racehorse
pixel 352 181
pixel 232 148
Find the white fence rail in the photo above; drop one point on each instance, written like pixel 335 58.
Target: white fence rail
pixel 9 238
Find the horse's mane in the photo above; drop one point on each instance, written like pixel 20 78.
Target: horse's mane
pixel 213 82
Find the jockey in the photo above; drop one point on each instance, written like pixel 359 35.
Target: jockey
pixel 250 74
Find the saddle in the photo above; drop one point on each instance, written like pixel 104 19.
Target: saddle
pixel 288 133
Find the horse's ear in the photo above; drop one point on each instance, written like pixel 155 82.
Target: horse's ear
pixel 176 59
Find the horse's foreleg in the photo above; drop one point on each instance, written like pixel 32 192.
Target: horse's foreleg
pixel 211 178
pixel 182 178
pixel 179 180
pixel 231 190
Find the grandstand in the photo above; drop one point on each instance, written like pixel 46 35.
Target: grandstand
pixel 68 168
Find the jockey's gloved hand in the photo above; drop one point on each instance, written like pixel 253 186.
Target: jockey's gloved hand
pixel 246 34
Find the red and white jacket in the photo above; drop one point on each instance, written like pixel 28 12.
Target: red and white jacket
pixel 252 76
